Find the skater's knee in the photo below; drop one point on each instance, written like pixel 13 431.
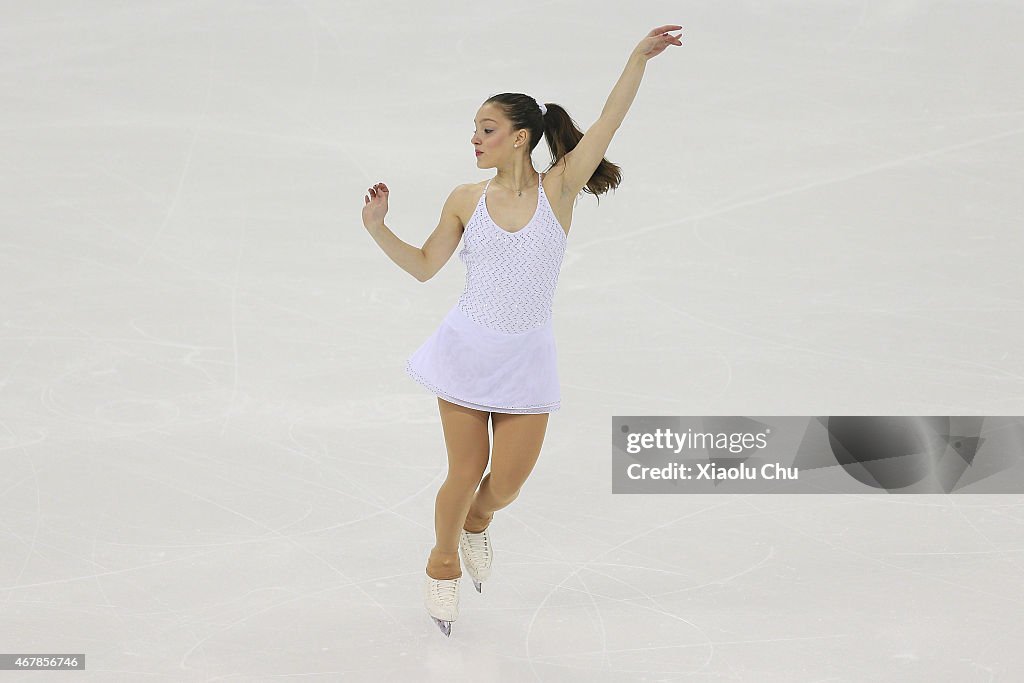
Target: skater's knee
pixel 503 490
pixel 463 480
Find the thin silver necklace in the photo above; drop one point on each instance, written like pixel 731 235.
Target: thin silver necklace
pixel 519 192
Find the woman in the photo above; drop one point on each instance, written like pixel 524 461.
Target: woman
pixel 494 356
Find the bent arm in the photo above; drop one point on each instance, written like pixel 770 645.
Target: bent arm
pixel 407 257
pixel 424 262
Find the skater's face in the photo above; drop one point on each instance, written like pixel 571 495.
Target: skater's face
pixel 493 137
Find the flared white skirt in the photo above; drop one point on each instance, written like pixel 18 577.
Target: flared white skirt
pixel 479 367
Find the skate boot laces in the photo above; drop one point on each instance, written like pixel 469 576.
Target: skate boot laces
pixel 478 547
pixel 444 591
pixel 477 551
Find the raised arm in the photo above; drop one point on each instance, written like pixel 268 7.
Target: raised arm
pixel 583 160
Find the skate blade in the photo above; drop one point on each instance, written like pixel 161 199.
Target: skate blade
pixel 445 626
pixel 478 585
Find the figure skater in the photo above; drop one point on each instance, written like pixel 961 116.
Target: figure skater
pixel 494 356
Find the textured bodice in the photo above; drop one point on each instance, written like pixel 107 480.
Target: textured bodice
pixel 511 276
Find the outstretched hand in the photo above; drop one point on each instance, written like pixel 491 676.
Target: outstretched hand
pixel 657 40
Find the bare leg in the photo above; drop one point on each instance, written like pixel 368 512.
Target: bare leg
pixel 468 445
pixel 517 441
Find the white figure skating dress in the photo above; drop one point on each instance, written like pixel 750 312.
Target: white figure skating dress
pixel 495 349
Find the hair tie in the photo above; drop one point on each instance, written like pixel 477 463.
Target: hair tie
pixel 543 109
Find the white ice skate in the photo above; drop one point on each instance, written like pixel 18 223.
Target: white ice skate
pixel 477 554
pixel 441 597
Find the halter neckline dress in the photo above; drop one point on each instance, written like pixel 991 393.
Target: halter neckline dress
pixel 495 349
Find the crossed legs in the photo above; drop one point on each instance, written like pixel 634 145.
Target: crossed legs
pixel 459 504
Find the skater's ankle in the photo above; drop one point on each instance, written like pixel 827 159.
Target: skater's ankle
pixel 444 565
pixel 442 573
pixel 476 525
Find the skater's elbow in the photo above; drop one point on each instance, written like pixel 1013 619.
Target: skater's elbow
pixel 445 238
pixel 423 272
